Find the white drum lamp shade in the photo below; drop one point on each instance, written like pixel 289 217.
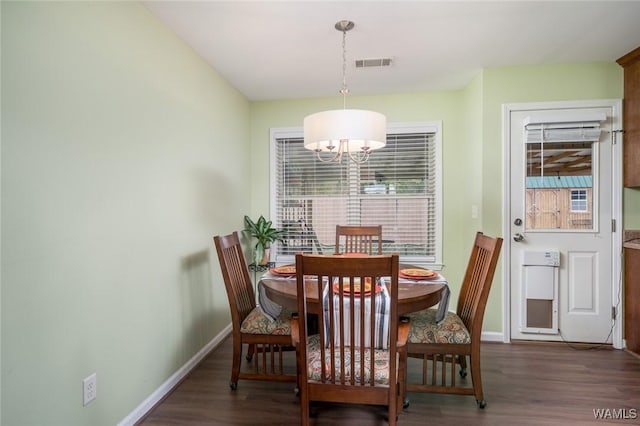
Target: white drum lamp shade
pixel 359 131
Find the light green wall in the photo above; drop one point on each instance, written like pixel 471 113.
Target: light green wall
pixel 468 159
pixel 123 153
pixel 528 84
pixel 631 202
pixel 398 108
pixel 472 146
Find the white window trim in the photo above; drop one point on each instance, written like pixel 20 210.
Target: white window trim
pixel 421 127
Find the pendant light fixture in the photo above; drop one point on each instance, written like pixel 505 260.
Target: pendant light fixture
pixel 331 134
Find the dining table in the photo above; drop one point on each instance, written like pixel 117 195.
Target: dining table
pixel 413 295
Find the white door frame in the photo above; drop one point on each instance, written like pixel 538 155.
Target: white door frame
pixel 616 261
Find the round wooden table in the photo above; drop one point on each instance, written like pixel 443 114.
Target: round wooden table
pixel 412 296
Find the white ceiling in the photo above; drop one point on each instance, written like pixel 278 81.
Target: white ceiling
pixel 290 49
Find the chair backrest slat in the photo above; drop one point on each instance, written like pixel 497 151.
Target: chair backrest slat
pixel 359 239
pixel 235 274
pixel 477 281
pixel 350 326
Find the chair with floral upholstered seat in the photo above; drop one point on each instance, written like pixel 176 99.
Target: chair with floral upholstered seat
pixel 442 346
pixel 354 354
pixel 266 339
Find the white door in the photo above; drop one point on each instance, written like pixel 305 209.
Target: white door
pixel 561 190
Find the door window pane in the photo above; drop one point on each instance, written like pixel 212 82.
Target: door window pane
pixel 559 186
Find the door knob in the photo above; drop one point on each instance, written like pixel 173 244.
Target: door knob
pixel 518 237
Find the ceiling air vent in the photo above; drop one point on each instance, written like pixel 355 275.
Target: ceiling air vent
pixel 368 63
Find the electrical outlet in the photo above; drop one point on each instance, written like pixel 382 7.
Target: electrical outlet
pixel 89 388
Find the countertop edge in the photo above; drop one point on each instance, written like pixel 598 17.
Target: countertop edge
pixel 631 238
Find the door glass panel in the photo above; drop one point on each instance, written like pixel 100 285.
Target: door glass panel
pixel 559 186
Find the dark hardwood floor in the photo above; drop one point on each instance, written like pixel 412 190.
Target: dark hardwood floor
pixel 524 383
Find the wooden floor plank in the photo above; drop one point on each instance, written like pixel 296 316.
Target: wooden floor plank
pixel 524 384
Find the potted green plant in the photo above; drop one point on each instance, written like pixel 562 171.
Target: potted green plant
pixel 265 234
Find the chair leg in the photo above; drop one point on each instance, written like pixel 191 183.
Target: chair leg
pixel 250 352
pixel 304 410
pixel 476 379
pixel 235 368
pixel 403 401
pixel 462 359
pixel 393 414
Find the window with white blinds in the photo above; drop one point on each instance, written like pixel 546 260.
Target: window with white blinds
pixel 398 188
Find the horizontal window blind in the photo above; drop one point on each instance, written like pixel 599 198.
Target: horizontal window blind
pixel 561 128
pixel 395 188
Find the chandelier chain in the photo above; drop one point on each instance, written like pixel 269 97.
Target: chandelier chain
pixel 344 90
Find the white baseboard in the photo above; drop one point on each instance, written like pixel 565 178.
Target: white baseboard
pixel 146 405
pixel 492 336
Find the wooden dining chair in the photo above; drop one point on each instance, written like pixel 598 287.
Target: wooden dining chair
pixel 443 346
pixel 358 239
pixel 266 339
pixel 336 362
